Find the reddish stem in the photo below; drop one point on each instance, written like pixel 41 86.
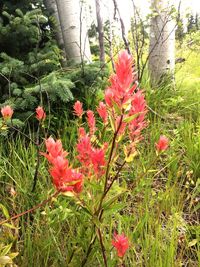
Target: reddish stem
pixel 32 209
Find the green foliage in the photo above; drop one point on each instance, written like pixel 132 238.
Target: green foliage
pixel 55 85
pixel 24 64
pixel 30 72
pixel 89 83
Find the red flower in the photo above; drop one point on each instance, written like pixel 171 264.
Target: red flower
pixel 98 161
pixel 124 69
pixel 64 177
pixel 101 109
pixel 78 109
pixel 109 97
pixel 7 112
pixel 54 149
pixel 120 242
pixel 121 88
pixel 40 114
pixel 84 149
pixel 162 144
pixel 138 108
pixel 91 121
pixel 81 132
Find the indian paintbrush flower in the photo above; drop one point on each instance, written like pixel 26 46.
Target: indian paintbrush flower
pixel 40 113
pixel 7 112
pixel 162 144
pixel 91 121
pixel 102 111
pixel 121 243
pixel 78 109
pixel 64 177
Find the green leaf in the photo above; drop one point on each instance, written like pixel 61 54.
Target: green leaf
pixel 192 243
pixel 112 123
pixel 5 211
pixel 6 249
pixel 117 108
pixel 9 226
pixel 108 203
pixel 131 118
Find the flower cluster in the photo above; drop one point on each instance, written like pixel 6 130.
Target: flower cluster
pixel 40 113
pixel 121 88
pixel 131 105
pixel 64 177
pixel 121 243
pixel 7 112
pixel 162 144
pixel 92 159
pixel 78 109
pixel 102 111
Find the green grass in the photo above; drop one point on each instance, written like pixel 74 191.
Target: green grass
pixel 159 211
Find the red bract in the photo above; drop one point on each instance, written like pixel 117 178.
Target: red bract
pixel 124 69
pixel 120 242
pixel 92 159
pixel 64 177
pixel 81 132
pixel 91 121
pixel 98 161
pixel 102 110
pixel 54 149
pixel 40 114
pixel 84 149
pixel 78 109
pixel 138 108
pixel 7 112
pixel 121 88
pixel 162 144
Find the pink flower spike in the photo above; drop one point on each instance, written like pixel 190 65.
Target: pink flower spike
pixel 81 132
pixel 7 112
pixel 121 243
pixel 91 121
pixel 40 113
pixel 98 161
pixel 162 144
pixel 78 109
pixel 101 109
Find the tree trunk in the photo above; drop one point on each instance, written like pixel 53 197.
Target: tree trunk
pixel 162 42
pixel 53 11
pixel 74 30
pixel 126 41
pixel 100 32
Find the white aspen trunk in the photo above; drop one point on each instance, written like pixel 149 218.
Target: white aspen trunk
pixel 74 30
pixel 53 11
pixel 100 32
pixel 162 41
